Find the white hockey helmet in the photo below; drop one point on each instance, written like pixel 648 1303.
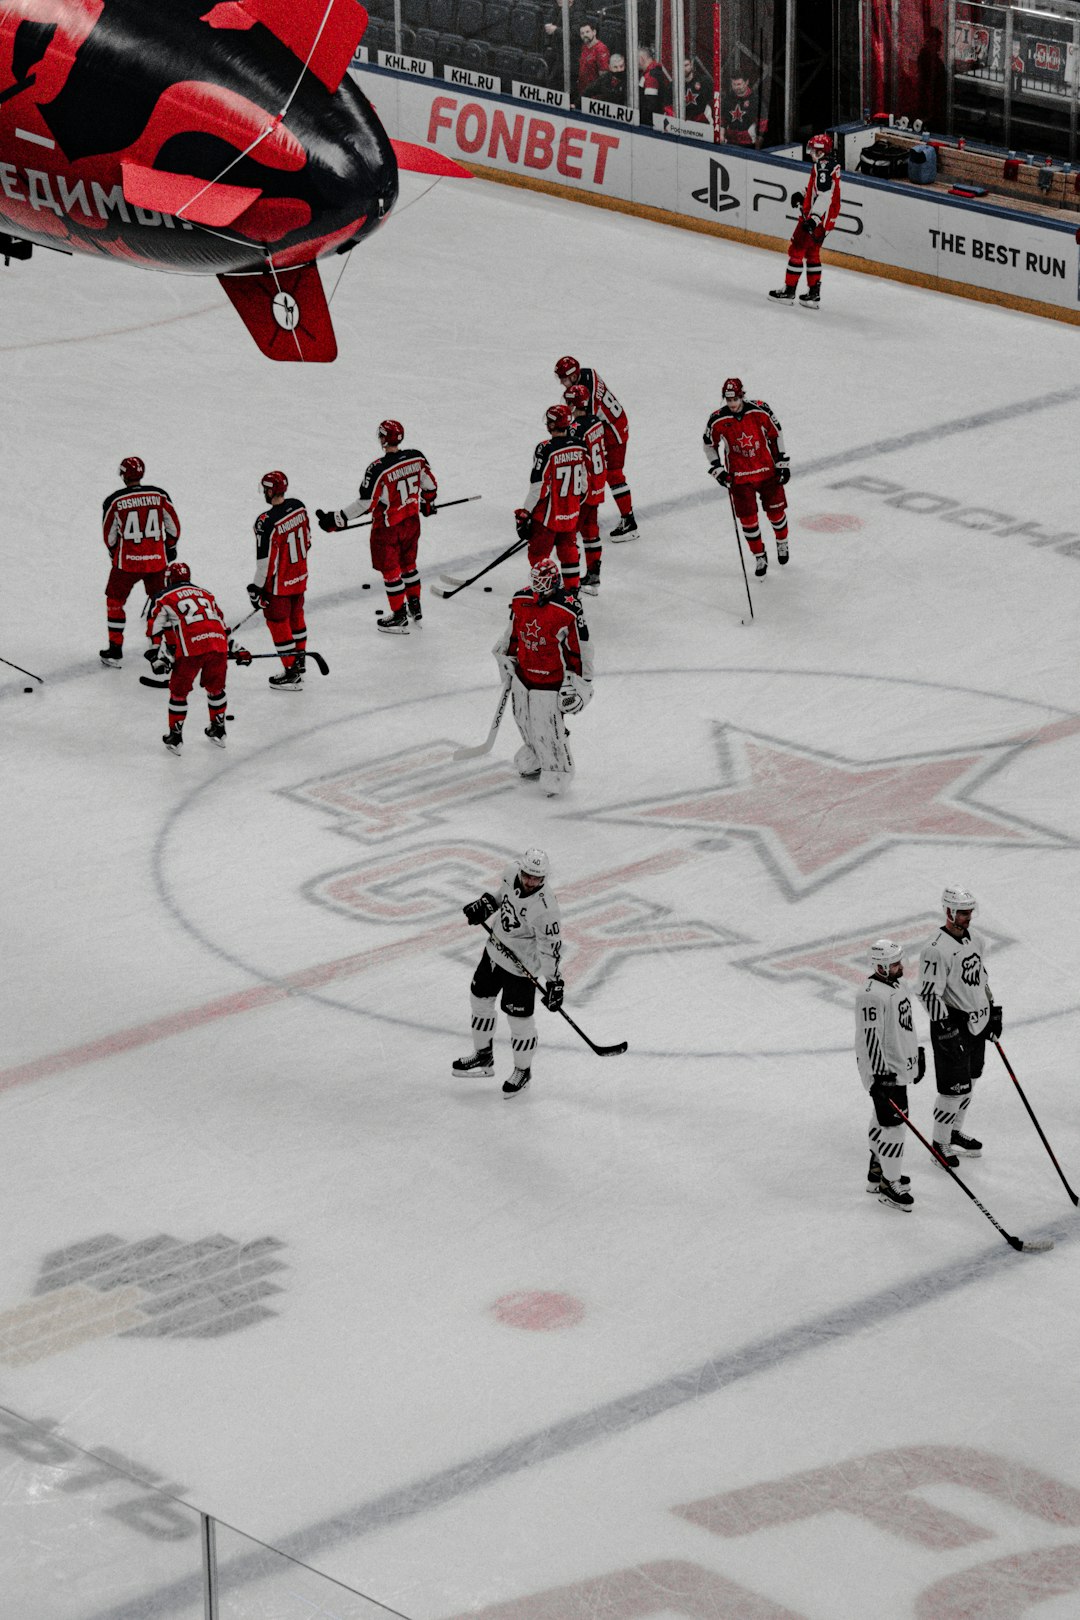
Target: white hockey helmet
pixel 956 898
pixel 535 863
pixel 884 953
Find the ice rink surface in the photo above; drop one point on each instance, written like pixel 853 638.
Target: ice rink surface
pixel 636 1342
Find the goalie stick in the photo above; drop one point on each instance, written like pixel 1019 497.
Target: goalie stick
pixel 518 545
pixel 1026 1245
pixel 1034 1121
pixel 489 741
pixel 601 1051
pixel 440 506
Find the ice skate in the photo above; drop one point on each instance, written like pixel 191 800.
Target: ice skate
pixel 290 680
pixel 782 552
pixel 394 624
pixel 811 298
pixel 111 657
pixel 416 612
pixel 591 583
pixel 216 733
pixel 173 740
pixel 783 295
pixel 626 528
pixel 969 1146
pixel 517 1082
pixel 895 1197
pixel 946 1154
pixel 874 1177
pixel 761 564
pixel 482 1062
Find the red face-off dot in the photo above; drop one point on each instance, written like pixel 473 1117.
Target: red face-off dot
pixel 831 522
pixel 537 1311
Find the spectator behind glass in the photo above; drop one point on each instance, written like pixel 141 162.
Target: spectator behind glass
pixel 932 78
pixel 593 61
pixel 611 86
pixel 697 90
pixel 739 123
pixel 651 78
pixel 552 41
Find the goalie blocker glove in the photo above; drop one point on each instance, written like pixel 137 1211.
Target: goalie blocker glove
pixel 478 911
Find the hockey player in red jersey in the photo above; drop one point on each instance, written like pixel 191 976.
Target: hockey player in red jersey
pixel 282 543
pixel 398 488
pixel 558 483
pixel 545 653
pixel 817 216
pixel 140 528
pixel 602 403
pixel 189 638
pixel 744 447
pixel 588 431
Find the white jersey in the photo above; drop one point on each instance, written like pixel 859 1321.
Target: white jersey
pixel 885 1041
pixel 954 979
pixel 529 923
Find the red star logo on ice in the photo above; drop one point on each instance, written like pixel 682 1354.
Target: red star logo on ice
pixel 814 815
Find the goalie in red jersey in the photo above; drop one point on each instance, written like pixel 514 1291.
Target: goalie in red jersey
pixel 544 653
pixel 744 446
pixel 189 639
pixel 817 216
pixel 140 529
pixel 558 483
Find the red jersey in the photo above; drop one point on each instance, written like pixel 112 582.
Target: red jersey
pixel 593 61
pixel 282 542
pixel 558 484
pixel 602 403
pixel 545 637
pixel 752 440
pixel 588 431
pixel 190 621
pixel 140 527
pixel 392 488
pixel 821 199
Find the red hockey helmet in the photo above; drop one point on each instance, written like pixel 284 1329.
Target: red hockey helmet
pixel 733 388
pixel 567 369
pixel 132 469
pixel 391 433
pixel 177 573
pixel 558 418
pixel 819 146
pixel 546 578
pixel 577 397
pixel 274 485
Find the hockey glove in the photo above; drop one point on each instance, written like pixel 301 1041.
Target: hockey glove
pixel 327 520
pixel 886 1079
pixel 570 699
pixel 783 469
pixel 427 506
pixel 161 663
pixel 720 473
pixel 240 655
pixel 921 1070
pixel 523 522
pixel 553 995
pixel 150 654
pixel 993 1024
pixel 257 596
pixel 478 911
pixel 170 552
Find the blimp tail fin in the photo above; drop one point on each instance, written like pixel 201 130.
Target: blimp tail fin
pixel 322 33
pixel 425 160
pixel 286 313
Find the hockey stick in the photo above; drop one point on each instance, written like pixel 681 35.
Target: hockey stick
pixel 742 559
pixel 39 678
pixel 1034 1121
pixel 364 523
pixel 1031 1246
pixel 601 1051
pixel 316 658
pixel 489 741
pixel 509 552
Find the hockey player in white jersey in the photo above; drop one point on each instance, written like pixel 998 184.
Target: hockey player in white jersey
pixel 525 915
pixel 890 1059
pixel 954 989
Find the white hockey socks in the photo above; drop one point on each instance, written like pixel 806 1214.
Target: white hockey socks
pixel 483 1022
pixel 887 1146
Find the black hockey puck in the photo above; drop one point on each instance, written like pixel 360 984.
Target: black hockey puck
pixel 488 589
pixel 230 717
pixel 28 688
pixel 365 586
